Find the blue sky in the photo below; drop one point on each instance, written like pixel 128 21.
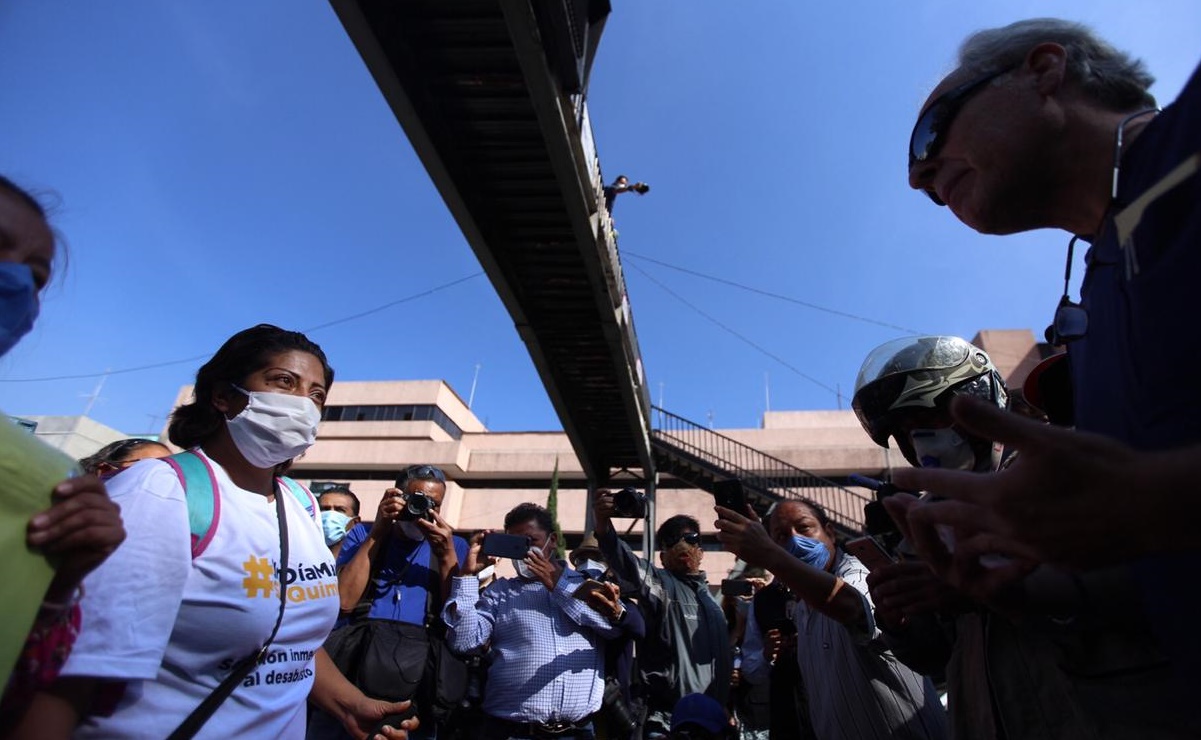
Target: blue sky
pixel 218 164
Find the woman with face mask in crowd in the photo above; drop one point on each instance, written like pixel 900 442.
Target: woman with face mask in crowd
pixel 117 456
pixel 855 688
pixel 82 526
pixel 194 595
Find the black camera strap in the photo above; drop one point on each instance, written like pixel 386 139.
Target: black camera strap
pixel 201 714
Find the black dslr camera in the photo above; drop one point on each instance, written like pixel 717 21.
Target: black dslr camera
pixel 417 506
pixel 629 503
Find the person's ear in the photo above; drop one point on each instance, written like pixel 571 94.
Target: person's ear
pixel 104 468
pixel 1048 63
pixel 228 400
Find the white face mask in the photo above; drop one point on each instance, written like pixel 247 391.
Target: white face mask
pixel 411 530
pixel 593 568
pixel 486 573
pixel 524 570
pixel 942 448
pixel 274 427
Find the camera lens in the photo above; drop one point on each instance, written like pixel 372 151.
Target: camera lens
pixel 417 506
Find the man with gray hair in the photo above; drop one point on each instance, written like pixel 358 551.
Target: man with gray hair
pixel 1045 125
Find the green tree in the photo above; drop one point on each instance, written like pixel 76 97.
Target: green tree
pixel 552 505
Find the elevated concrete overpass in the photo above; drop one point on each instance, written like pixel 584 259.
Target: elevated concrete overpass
pixel 490 93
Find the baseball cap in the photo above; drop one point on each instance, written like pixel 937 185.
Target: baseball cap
pixel 700 710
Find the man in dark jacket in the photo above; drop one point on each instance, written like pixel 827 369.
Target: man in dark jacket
pixel 686 649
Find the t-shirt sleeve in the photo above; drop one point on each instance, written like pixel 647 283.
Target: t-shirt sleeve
pixel 352 543
pixel 461 548
pixel 131 600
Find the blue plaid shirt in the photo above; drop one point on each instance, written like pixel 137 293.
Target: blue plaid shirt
pixel 546 661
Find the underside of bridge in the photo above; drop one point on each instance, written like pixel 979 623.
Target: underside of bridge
pixel 490 93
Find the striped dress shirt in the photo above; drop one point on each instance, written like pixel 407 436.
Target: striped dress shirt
pixel 547 663
pixel 857 689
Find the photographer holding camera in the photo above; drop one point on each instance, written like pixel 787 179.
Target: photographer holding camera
pixel 392 580
pixel 687 649
pixel 622 185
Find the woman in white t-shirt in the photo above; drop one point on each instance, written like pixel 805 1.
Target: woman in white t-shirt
pixel 189 596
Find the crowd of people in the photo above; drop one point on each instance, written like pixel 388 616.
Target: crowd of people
pixel 1036 567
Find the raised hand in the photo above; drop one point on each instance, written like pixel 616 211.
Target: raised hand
pixel 80 529
pixel 476 561
pixel 1066 499
pixel 544 568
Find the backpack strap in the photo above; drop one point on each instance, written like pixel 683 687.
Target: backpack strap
pixel 301 494
pixel 202 494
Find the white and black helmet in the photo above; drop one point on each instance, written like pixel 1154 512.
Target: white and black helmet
pixel 910 375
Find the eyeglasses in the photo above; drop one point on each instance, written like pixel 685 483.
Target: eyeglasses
pixel 930 131
pixel 424 472
pixel 1071 320
pixel 691 538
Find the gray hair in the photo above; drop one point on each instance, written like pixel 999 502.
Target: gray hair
pixel 1110 77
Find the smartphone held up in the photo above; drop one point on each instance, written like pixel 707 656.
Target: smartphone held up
pixel 501 545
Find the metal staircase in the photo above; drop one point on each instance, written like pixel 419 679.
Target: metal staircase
pixel 702 457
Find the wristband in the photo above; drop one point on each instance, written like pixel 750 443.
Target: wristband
pixel 54 608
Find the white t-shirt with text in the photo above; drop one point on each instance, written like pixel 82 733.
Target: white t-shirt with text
pixel 172 627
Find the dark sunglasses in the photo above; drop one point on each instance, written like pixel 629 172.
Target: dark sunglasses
pixel 691 538
pixel 424 472
pixel 930 131
pixel 1070 323
pixel 1071 320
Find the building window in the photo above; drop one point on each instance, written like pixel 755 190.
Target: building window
pixel 424 412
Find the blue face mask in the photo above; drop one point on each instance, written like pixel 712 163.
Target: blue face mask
pixel 334 523
pixel 18 303
pixel 810 551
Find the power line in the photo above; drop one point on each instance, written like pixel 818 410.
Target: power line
pixel 778 296
pixel 727 329
pixel 318 327
pixel 789 299
pixel 397 302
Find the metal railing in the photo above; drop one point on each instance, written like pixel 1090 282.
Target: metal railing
pixel 758 471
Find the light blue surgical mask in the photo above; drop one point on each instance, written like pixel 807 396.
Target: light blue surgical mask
pixel 18 303
pixel 335 524
pixel 811 551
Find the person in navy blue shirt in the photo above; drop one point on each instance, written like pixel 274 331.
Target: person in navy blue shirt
pixel 402 563
pixel 1044 125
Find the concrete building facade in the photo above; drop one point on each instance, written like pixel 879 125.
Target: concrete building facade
pixel 77 436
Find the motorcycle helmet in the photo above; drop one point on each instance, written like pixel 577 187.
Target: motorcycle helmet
pixel 915 377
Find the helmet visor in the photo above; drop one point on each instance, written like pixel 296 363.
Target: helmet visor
pixel 912 376
pixel 907 354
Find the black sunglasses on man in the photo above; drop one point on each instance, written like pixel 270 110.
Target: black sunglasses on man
pixel 930 131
